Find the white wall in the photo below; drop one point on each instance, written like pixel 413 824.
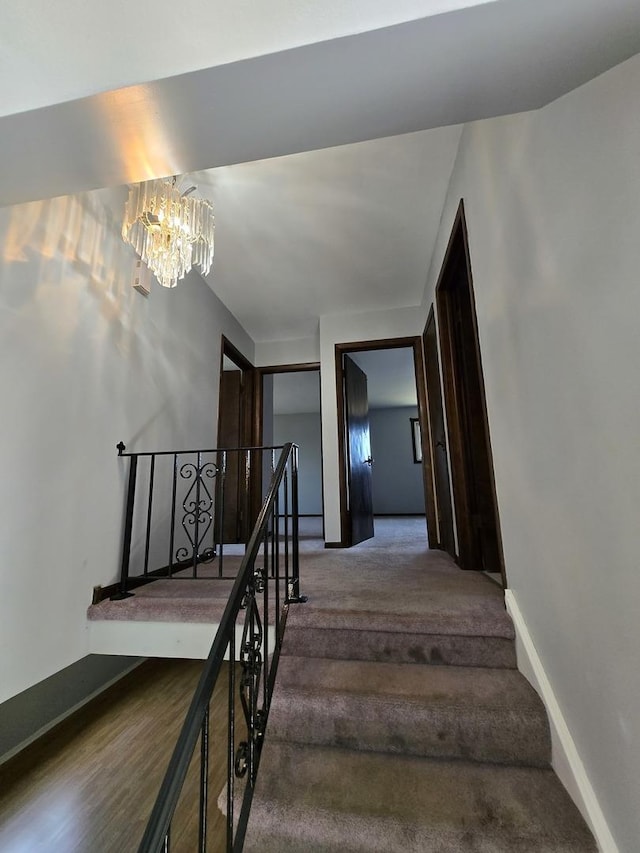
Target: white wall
pixel 84 362
pixel 304 430
pixel 397 482
pixel 297 351
pixel 553 209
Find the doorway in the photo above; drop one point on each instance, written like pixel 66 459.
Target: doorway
pixel 476 507
pixel 384 458
pixel 288 409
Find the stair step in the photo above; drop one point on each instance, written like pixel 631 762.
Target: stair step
pixel 446 712
pixel 464 614
pixel 400 647
pixel 475 631
pixel 325 799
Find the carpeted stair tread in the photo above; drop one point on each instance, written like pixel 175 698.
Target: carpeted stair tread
pixel 167 600
pixel 467 615
pixel 401 647
pixel 324 800
pixel 447 712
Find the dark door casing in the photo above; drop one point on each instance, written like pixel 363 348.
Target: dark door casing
pixel 439 455
pixel 473 482
pixel 359 459
pixel 235 429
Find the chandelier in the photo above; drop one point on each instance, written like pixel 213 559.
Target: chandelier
pixel 170 230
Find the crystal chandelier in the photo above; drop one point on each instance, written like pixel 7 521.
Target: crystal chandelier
pixel 170 230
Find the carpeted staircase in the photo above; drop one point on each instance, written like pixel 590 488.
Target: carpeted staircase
pixel 407 734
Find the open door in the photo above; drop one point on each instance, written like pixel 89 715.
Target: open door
pixel 474 495
pixel 444 512
pixel 359 459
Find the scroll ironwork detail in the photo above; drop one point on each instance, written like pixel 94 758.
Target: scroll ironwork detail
pixel 198 511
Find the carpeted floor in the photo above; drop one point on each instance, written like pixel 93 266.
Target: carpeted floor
pixel 384 577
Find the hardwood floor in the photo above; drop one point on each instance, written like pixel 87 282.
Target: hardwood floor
pixel 88 785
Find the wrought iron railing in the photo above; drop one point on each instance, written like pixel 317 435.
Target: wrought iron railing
pixel 249 638
pixel 184 508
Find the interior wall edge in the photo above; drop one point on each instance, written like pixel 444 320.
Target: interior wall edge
pixel 566 760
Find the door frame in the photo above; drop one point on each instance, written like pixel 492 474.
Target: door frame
pixel 459 244
pixel 415 343
pixel 261 372
pixel 434 397
pixel 246 428
pixel 248 391
pixel 270 370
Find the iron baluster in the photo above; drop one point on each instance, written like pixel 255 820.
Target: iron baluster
pixel 247 501
pixel 295 597
pixel 221 492
pixel 128 526
pixel 285 489
pixel 152 467
pixel 265 617
pixel 204 782
pixel 173 512
pixel 196 531
pixel 231 743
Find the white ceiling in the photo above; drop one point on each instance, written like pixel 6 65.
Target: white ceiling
pixel 348 228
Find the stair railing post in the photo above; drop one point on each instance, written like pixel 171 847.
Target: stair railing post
pixel 295 597
pixel 128 527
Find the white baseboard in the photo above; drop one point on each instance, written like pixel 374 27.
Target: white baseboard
pixel 565 758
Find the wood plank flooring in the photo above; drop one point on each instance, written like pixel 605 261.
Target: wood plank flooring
pixel 88 786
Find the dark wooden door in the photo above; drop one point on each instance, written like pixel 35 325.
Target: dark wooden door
pixel 468 427
pixel 359 459
pixel 444 510
pixel 230 433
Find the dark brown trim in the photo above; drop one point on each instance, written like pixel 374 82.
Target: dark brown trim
pixel 232 352
pixel 102 592
pixel 452 397
pixel 249 376
pixel 415 343
pixel 400 515
pixel 247 427
pixel 258 412
pixel 443 536
pixel 335 545
pixel 290 368
pixel 269 370
pixel 423 416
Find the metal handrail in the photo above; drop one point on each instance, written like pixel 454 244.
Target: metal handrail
pixel 122 451
pixel 156 833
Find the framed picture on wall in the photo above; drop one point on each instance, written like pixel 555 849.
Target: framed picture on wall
pixel 416 440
